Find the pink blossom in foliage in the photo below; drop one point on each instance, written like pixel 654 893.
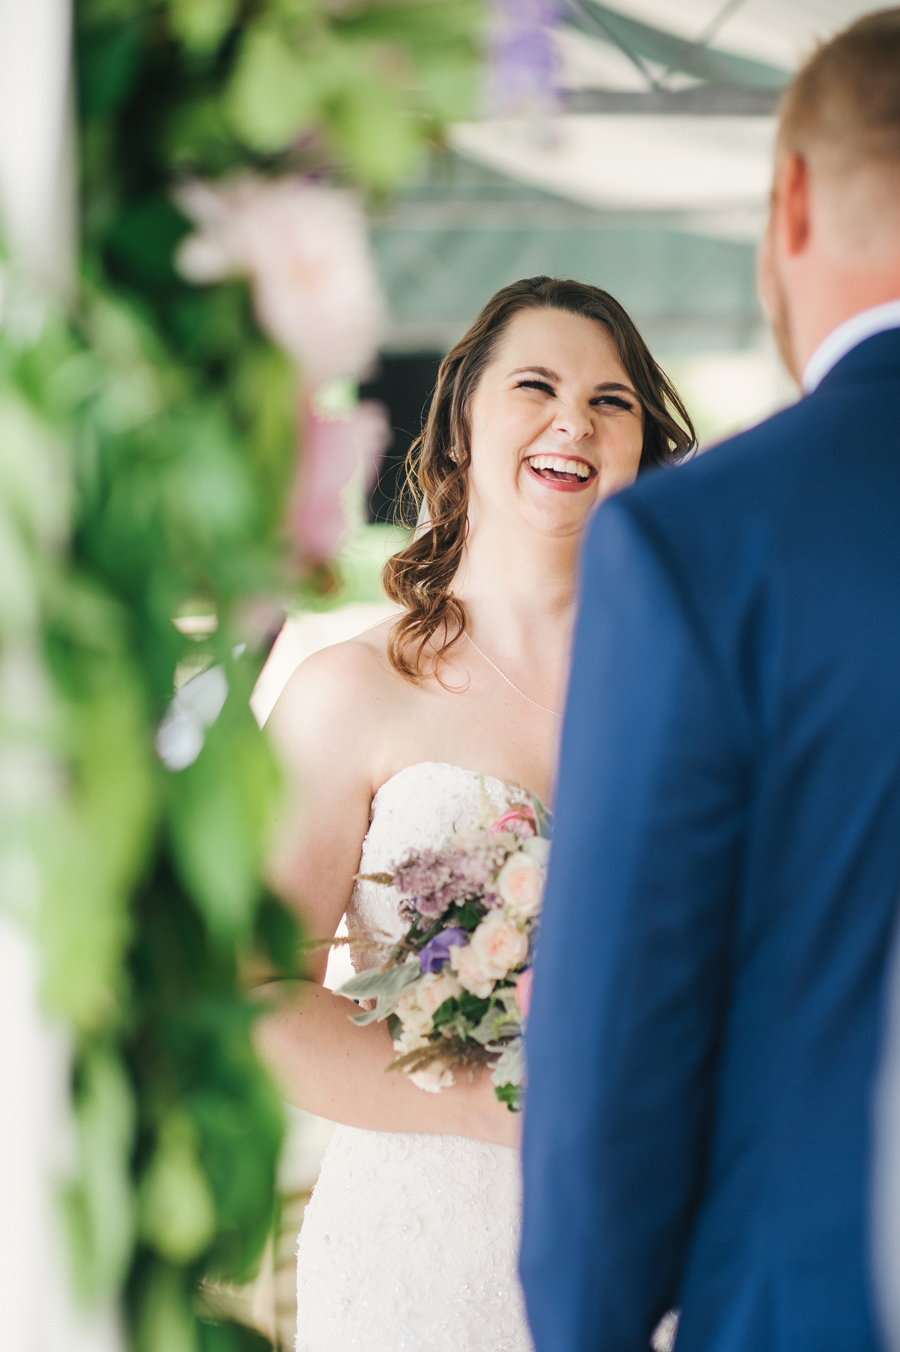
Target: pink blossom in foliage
pixel 332 449
pixel 305 249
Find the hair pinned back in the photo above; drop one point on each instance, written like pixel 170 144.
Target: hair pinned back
pixel 420 576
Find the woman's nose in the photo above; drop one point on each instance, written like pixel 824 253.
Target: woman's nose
pixel 573 422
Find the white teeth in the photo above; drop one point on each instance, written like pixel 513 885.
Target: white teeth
pixel 560 464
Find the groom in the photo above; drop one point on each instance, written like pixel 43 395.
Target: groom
pixel 707 1014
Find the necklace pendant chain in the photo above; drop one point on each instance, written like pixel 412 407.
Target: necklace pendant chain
pixel 503 676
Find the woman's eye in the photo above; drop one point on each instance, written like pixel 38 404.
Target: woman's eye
pixel 615 402
pixel 534 385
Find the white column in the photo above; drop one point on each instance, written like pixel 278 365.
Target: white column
pixel 36 178
pixel 38 1310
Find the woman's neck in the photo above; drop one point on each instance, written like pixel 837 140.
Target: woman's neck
pixel 519 600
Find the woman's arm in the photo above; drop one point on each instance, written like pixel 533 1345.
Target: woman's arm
pixel 334 1069
pixel 325 728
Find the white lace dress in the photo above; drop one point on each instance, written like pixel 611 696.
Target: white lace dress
pixel 410 1242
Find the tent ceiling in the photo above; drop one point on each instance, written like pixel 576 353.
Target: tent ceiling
pixel 683 65
pixel 451 239
pixel 778 32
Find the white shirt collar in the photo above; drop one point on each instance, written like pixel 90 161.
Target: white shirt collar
pixel 845 338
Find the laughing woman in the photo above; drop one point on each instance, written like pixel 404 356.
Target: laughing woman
pixel 550 403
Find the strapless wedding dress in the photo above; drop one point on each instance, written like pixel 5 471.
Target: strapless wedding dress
pixel 410 1242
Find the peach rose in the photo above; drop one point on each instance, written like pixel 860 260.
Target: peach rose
pixel 414 1019
pixel 409 1041
pixel 499 945
pixel 434 989
pixel 433 1078
pixel 471 972
pixel 520 883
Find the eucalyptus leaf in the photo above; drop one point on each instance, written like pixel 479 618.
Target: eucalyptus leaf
pixel 376 982
pixel 543 817
pixel 501 1019
pixel 510 1065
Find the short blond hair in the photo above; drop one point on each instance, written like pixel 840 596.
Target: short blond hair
pixel 844 105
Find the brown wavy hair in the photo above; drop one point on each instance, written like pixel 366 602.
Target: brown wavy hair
pixel 420 576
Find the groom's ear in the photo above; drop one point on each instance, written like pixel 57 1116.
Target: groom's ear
pixel 792 204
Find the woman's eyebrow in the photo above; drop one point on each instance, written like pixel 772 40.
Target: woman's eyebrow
pixel 536 370
pixel 545 371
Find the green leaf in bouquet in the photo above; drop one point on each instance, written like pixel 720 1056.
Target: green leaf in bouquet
pixel 446 1013
pixel 472 1007
pixel 512 1095
pixel 500 1019
pixel 395 1027
pixel 468 916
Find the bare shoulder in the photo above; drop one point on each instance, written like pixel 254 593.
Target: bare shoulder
pixel 338 694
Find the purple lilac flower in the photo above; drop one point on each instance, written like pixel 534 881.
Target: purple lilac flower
pixel 436 952
pixel 429 882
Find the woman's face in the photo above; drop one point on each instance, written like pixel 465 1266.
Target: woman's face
pixel 556 424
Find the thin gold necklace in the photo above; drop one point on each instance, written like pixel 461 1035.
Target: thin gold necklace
pixel 503 676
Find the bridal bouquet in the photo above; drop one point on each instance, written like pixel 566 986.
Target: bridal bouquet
pixel 455 988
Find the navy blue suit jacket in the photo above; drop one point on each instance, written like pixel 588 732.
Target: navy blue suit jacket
pixel 708 993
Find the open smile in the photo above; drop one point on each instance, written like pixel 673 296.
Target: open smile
pixel 565 472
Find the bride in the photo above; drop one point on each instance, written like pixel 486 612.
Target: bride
pixel 549 403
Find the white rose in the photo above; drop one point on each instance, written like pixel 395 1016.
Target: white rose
pixel 409 1042
pixel 539 848
pixel 520 883
pixel 434 989
pixel 411 1015
pixel 498 945
pixel 433 1078
pixel 469 968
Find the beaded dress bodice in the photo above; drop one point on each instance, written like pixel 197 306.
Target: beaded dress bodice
pixel 409 1242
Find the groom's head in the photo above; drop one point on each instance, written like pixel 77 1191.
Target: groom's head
pixel 832 244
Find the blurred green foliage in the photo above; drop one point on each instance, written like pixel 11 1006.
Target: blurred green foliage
pixel 147 445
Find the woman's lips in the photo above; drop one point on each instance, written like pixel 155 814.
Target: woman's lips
pixel 561 481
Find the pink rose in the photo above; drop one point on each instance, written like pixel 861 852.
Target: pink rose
pixel 514 820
